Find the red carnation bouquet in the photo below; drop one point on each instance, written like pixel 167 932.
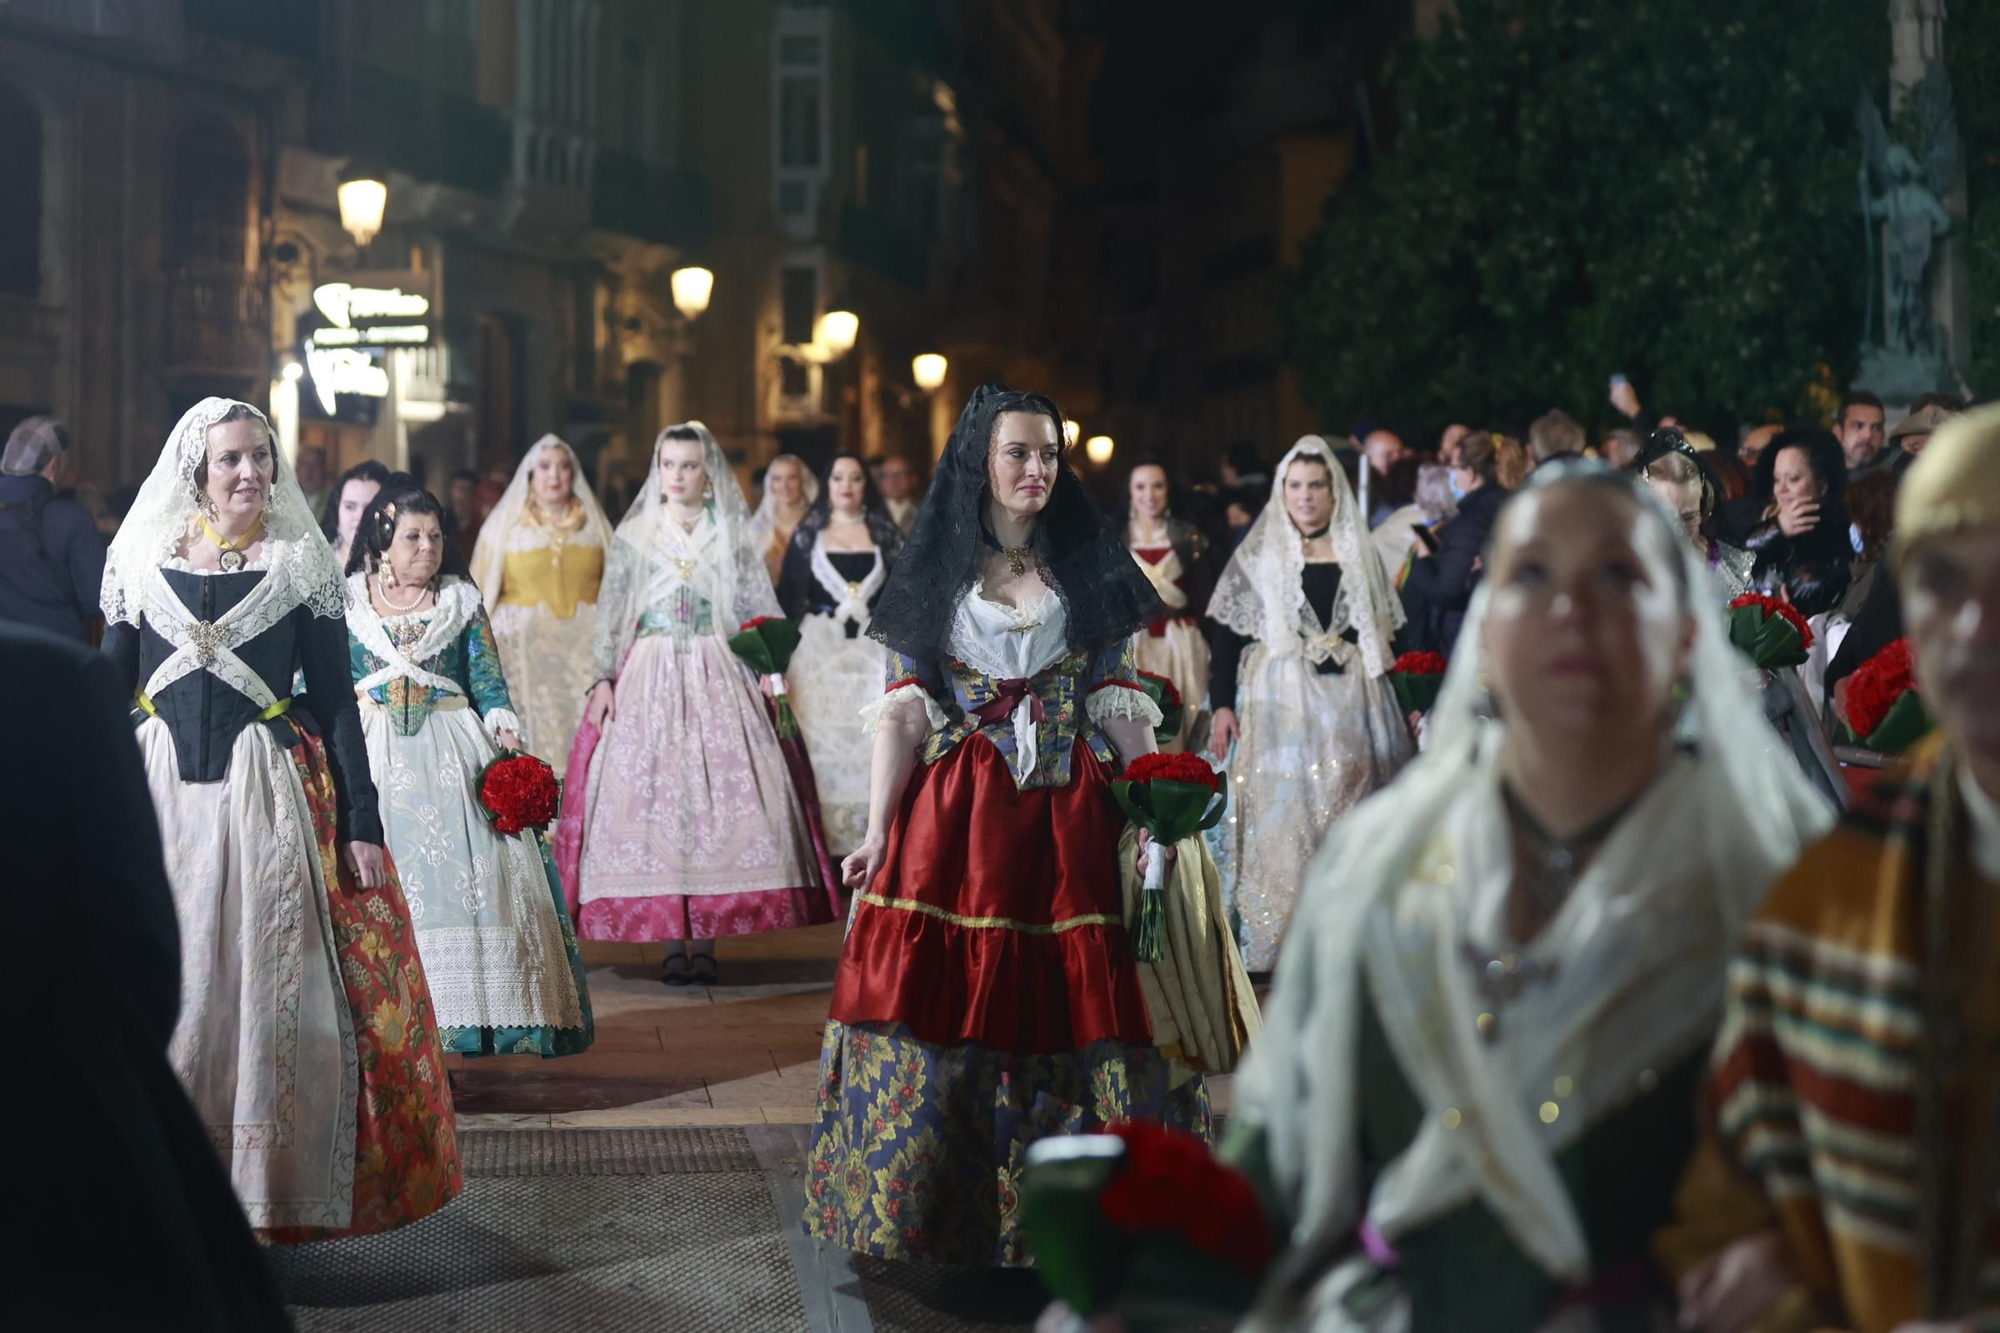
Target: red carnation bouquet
pixel 1769 631
pixel 1168 700
pixel 1883 711
pixel 1416 678
pixel 1144 1222
pixel 767 644
pixel 518 792
pixel 1171 796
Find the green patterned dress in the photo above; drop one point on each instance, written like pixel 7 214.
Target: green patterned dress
pixel 506 976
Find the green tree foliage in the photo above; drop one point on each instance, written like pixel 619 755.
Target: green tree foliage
pixel 1579 187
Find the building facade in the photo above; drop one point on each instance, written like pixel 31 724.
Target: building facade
pixel 549 164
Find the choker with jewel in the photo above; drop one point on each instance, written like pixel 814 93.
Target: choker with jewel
pixel 1018 557
pixel 232 557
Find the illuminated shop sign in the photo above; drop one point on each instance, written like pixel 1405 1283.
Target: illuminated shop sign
pixel 338 370
pixel 375 310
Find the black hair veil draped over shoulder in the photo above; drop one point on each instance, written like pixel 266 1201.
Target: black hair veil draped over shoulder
pixel 1104 593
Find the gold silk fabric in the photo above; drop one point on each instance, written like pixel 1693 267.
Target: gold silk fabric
pixel 557 576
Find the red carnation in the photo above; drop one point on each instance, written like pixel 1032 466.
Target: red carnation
pixel 1172 1182
pixel 1777 606
pixel 1420 664
pixel 1876 686
pixel 519 792
pixel 1189 768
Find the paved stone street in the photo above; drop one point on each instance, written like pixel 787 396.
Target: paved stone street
pixel 655 1179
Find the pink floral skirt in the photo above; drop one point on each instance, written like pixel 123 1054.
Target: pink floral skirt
pixel 681 821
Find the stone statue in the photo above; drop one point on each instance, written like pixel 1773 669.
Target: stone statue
pixel 1901 187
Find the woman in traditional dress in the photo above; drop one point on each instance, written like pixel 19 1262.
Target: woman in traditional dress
pixel 790 489
pixel 1476 1087
pixel 1672 471
pixel 1173 554
pixel 1304 621
pixel 505 973
pixel 538 564
pixel 987 995
pixel 840 558
pixel 682 824
pixel 306 1038
pixel 345 504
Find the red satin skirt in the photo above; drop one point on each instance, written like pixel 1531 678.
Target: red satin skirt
pixel 996 918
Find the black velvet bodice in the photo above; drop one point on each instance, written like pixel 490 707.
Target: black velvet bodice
pixel 1321 581
pixel 204 714
pixel 800 594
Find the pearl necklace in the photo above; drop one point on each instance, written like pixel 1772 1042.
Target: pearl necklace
pixel 382 591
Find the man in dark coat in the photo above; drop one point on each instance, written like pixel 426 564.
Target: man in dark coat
pixel 51 555
pixel 123 1215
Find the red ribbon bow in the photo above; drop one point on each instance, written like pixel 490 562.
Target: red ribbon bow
pixel 1007 696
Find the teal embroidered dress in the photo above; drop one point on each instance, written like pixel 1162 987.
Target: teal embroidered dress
pixel 505 973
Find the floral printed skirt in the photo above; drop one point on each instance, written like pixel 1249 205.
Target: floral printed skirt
pixel 406 1135
pixel 918 1150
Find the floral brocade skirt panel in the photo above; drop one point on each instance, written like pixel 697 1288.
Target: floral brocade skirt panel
pixel 986 998
pixel 306 1039
pixel 692 828
pixel 1312 748
pixel 918 1149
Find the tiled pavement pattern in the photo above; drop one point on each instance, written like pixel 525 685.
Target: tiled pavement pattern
pixel 739 1058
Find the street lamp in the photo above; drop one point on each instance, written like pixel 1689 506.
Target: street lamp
pixel 364 197
pixel 928 371
pixel 1098 449
pixel 692 288
pixel 837 331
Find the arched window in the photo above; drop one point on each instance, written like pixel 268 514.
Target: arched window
pixel 211 196
pixel 21 201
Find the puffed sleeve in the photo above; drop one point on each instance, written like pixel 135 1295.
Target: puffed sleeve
pixel 329 679
pixel 909 679
pixel 1114 688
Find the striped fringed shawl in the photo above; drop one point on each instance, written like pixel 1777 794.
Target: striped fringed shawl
pixel 1818 1068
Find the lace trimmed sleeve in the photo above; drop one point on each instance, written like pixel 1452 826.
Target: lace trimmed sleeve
pixel 1115 690
pixel 909 681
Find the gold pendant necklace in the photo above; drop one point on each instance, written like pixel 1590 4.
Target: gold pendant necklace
pixel 232 557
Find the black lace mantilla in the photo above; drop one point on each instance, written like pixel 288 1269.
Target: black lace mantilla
pixel 1104 593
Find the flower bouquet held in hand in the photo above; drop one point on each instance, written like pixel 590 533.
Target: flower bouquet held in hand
pixel 1143 1222
pixel 1173 709
pixel 1171 797
pixel 518 792
pixel 1769 631
pixel 1416 678
pixel 1883 711
pixel 767 644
